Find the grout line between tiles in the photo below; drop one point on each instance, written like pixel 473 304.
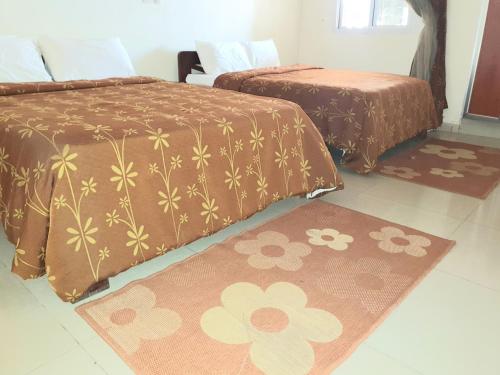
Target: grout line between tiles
pixel 393 358
pixel 475 283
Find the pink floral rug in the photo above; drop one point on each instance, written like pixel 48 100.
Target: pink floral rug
pixel 294 296
pixel 457 167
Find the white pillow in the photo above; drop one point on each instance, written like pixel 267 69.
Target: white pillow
pixel 72 59
pixel 223 57
pixel 21 61
pixel 263 54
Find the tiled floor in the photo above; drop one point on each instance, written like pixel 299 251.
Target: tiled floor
pixel 450 324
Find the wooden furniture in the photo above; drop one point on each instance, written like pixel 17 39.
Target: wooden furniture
pixel 188 61
pixel 485 99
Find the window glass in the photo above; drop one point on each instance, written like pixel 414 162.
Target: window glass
pixel 391 13
pixel 355 13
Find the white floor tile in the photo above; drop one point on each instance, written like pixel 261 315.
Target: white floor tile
pixel 30 338
pixel 434 200
pixel 6 251
pixel 426 221
pixel 446 326
pixel 488 213
pixel 366 360
pixel 77 362
pixel 106 357
pixel 476 257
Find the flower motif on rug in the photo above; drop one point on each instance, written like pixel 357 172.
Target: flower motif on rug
pixel 474 168
pixel 368 280
pixel 329 237
pixel 402 172
pixel 447 173
pixel 449 153
pixel 277 324
pixel 273 249
pixel 132 317
pixel 395 241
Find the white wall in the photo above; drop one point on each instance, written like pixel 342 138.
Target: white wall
pixel 154 33
pixel 385 51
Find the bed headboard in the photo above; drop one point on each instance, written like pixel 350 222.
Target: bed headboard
pixel 188 61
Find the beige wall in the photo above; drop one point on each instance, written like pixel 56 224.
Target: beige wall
pixel 303 29
pixel 386 51
pixel 154 33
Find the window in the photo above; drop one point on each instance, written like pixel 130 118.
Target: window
pixel 362 14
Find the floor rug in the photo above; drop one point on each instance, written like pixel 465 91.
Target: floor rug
pixel 452 166
pixel 294 296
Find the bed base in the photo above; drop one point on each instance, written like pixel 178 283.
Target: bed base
pixel 187 62
pixel 97 288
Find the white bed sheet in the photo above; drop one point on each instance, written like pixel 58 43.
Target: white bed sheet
pixel 201 79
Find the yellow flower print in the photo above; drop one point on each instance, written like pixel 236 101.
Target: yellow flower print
pixel 227 221
pixel 257 139
pixel 137 240
pixel 161 250
pixel 238 145
pixel 274 113
pixel 184 218
pixel 112 218
pixel 78 236
pixel 124 202
pixel 72 296
pixel 262 186
pixel 299 125
pixel 176 162
pixel 18 214
pixel 89 186
pixel 167 201
pixel 153 168
pixel 370 110
pixel 17 256
pixel 225 126
pixel 28 130
pixel 97 128
pixel 104 253
pixel 60 202
pixel 63 162
pixel 23 178
pixel 122 176
pixel 159 138
pixel 3 159
pixel 209 210
pixel 321 112
pixel 192 190
pixel 201 156
pixel 281 158
pixel 305 168
pixel 233 179
pixel 39 170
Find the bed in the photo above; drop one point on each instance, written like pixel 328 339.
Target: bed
pixel 363 114
pixel 99 176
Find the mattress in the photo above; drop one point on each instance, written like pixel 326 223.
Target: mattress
pixel 98 176
pixel 201 79
pixel 361 113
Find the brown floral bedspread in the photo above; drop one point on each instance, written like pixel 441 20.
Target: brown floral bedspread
pixel 98 176
pixel 364 114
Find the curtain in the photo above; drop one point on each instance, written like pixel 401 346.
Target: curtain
pixel 430 59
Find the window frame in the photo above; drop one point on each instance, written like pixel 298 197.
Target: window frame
pixel 414 22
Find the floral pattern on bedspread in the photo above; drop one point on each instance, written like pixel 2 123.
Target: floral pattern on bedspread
pixel 98 176
pixel 364 114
